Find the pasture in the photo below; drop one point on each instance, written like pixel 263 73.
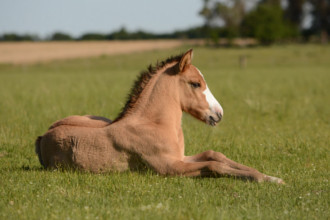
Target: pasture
pixel 276 119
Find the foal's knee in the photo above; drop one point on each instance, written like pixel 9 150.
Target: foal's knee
pixel 211 155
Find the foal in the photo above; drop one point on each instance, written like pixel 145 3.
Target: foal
pixel 147 132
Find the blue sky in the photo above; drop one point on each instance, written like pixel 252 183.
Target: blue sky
pixel 44 17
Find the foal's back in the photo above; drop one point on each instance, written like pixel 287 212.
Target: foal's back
pixel 83 121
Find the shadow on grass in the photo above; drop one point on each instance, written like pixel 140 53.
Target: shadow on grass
pixel 28 168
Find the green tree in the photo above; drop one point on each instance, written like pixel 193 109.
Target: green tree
pixel 59 36
pixel 232 16
pixel 122 34
pixel 266 24
pixel 294 12
pixel 18 37
pixel 93 36
pixel 321 19
pixel 218 13
pixel 207 14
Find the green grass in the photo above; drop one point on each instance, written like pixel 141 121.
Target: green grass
pixel 277 116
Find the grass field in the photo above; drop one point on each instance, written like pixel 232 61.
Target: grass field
pixel 277 119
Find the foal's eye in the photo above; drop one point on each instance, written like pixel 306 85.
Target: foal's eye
pixel 195 85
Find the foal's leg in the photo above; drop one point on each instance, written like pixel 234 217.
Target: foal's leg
pixel 216 156
pixel 213 168
pixel 170 166
pixel 211 155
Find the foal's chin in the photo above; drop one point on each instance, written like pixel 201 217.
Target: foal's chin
pixel 211 123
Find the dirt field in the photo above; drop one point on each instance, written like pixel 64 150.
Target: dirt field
pixel 34 52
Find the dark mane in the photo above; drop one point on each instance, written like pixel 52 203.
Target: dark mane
pixel 141 82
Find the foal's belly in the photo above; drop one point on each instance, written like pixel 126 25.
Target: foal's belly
pixel 87 149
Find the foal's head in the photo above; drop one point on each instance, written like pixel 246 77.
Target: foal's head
pixel 195 97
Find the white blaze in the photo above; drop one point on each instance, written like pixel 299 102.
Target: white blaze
pixel 214 105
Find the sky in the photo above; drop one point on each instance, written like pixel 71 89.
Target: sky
pixel 76 17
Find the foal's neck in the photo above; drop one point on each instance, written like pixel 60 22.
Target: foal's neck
pixel 159 102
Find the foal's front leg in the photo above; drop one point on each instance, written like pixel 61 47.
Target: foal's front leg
pixel 212 168
pixel 232 165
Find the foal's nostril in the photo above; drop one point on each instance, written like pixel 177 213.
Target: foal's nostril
pixel 212 121
pixel 211 118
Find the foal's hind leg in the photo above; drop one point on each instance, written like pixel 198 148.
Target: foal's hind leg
pixel 232 165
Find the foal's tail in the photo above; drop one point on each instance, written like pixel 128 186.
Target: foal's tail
pixel 38 151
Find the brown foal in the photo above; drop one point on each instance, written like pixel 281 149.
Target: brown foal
pixel 147 133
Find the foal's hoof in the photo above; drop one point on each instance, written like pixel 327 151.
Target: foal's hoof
pixel 274 180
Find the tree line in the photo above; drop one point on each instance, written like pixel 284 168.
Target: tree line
pixel 267 21
pixel 121 34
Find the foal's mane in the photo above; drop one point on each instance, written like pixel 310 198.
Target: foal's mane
pixel 142 81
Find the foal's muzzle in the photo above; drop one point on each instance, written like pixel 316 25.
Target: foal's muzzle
pixel 214 119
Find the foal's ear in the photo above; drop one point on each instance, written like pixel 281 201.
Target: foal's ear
pixel 186 60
